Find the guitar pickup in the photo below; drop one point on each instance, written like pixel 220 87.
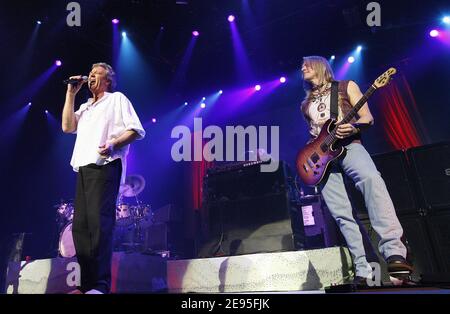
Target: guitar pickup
pixel 315 158
pixel 304 167
pixel 312 160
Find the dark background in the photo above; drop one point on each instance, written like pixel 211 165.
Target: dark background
pixel 276 34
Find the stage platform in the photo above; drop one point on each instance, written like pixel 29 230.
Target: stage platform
pixel 290 272
pixel 310 270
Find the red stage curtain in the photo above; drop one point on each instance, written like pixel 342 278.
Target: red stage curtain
pixel 401 119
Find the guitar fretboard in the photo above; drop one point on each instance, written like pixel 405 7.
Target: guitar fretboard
pixel 331 138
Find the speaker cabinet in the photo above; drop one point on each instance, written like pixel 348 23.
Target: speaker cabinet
pixel 440 234
pixel 396 173
pixel 248 211
pixel 417 240
pixel 431 165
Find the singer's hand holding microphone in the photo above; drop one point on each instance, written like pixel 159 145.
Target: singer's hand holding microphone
pixel 74 83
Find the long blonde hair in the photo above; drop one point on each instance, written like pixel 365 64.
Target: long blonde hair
pixel 325 74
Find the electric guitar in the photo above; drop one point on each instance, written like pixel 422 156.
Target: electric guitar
pixel 314 159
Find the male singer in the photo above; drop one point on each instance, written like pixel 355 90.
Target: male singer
pixel 105 126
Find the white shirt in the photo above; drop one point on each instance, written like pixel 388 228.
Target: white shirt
pixel 319 113
pixel 100 123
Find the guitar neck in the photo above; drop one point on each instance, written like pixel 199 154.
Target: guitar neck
pixel 352 113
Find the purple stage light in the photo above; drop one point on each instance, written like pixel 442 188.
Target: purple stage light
pixel 258 87
pixel 29 104
pixel 186 103
pixel 58 63
pixel 434 33
pixel 351 59
pixel 46 111
pixel 282 79
pixel 220 92
pixel 231 18
pixel 115 21
pixel 333 57
pixel 203 105
pixel 195 33
pixel 154 120
pixel 39 22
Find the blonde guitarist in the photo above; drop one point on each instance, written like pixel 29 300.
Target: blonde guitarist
pixel 336 150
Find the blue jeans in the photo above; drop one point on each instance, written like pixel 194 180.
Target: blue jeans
pixel 358 165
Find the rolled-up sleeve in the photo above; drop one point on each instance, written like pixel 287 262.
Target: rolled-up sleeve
pixel 78 115
pixel 130 118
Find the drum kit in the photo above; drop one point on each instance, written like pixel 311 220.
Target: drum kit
pixel 131 219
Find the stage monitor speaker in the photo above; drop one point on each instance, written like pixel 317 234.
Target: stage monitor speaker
pixel 247 211
pixel 431 164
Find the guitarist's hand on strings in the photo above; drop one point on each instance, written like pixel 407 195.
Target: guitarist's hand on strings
pixel 345 130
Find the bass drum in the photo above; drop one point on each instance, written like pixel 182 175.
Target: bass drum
pixel 66 245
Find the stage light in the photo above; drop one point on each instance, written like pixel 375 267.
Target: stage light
pixel 46 111
pixel 115 21
pixel 39 22
pixel 220 92
pixel 333 57
pixel 446 19
pixel 58 63
pixel 124 34
pixel 231 18
pixel 29 104
pixel 258 87
pixel 154 120
pixel 203 105
pixel 359 48
pixel 282 79
pixel 195 33
pixel 161 28
pixel 204 98
pixel 351 59
pixel 186 103
pixel 434 33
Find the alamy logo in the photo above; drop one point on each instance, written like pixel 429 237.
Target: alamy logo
pixel 213 150
pixel 375 280
pixel 73 279
pixel 74 16
pixel 374 17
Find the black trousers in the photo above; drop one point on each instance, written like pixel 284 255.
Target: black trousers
pixel 93 223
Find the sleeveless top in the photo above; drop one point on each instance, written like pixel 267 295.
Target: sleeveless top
pixel 317 111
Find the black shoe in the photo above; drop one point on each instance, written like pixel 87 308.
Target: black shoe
pixel 398 264
pixel 360 281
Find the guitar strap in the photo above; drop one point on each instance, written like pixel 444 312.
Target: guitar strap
pixel 334 100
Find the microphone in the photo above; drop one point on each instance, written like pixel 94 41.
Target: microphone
pixel 76 81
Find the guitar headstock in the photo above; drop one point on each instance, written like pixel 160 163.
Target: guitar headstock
pixel 384 78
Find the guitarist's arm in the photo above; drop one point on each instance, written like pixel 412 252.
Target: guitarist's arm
pixel 365 117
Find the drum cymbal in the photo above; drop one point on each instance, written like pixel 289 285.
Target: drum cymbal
pixel 134 185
